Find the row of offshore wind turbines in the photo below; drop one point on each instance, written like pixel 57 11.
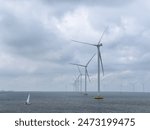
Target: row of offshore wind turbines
pixel 99 65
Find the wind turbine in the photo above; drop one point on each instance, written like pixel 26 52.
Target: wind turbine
pixel 99 60
pixel 80 78
pixel 86 72
pixel 76 83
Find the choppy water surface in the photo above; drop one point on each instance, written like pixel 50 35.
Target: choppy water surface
pixel 72 102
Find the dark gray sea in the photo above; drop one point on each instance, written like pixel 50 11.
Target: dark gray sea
pixel 74 102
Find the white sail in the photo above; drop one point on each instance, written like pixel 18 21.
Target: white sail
pixel 28 99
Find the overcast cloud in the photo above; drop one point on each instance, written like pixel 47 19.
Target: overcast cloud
pixel 36 46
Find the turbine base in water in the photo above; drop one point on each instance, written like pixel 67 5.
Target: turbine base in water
pixel 27 103
pixel 98 97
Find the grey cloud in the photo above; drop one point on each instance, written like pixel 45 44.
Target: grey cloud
pixel 48 52
pixel 27 38
pixel 69 5
pixel 90 2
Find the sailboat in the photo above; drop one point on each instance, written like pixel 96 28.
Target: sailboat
pixel 28 100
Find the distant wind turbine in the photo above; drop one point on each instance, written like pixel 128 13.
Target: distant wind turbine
pixel 99 59
pixel 86 72
pixel 80 78
pixel 76 84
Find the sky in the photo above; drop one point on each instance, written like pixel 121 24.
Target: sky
pixel 36 46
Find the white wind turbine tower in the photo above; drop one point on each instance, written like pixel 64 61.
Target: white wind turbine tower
pixel 86 72
pixel 80 78
pixel 99 59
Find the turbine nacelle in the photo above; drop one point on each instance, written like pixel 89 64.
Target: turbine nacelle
pixel 99 45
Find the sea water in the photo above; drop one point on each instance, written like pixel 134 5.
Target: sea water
pixel 74 102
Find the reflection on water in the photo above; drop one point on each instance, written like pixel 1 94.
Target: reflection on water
pixel 71 102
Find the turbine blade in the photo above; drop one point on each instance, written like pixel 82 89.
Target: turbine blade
pixel 77 64
pixel 102 35
pixel 79 70
pixel 84 43
pixel 88 75
pixel 78 77
pixel 101 62
pixel 90 60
